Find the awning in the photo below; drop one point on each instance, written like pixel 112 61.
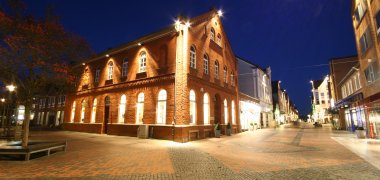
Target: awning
pixel 358 96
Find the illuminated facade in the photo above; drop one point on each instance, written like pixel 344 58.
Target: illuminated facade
pixel 255 82
pixel 284 111
pixel 366 25
pixel 321 100
pixel 178 83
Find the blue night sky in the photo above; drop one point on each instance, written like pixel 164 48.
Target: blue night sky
pixel 289 35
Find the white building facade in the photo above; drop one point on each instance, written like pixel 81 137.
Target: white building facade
pixel 255 82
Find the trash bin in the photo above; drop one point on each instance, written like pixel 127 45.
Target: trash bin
pixel 143 131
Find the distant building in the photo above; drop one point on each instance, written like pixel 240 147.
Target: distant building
pixel 366 25
pixel 321 102
pixel 174 84
pixel 284 111
pixel 49 111
pixel 255 82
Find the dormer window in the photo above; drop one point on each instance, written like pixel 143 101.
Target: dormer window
pixel 212 34
pixel 110 70
pixel 142 63
pixel 124 70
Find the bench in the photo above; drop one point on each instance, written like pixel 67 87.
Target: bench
pixel 31 149
pixel 194 131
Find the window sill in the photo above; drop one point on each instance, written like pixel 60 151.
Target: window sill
pixel 108 82
pixel 141 75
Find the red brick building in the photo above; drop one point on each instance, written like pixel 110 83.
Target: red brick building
pixel 175 82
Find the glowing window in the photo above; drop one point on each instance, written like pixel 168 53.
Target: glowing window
pixel 123 101
pixel 192 107
pixel 161 107
pixel 233 112
pixel 93 112
pixel 225 111
pixel 206 109
pixel 73 112
pixel 140 108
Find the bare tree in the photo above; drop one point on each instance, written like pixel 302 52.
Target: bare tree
pixel 35 53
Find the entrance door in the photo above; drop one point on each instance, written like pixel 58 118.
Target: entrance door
pixel 107 103
pixel 217 109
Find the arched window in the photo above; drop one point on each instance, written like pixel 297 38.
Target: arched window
pixel 232 78
pixel 93 112
pixel 233 112
pixel 225 74
pixel 123 101
pixel 216 69
pixel 110 70
pixel 192 107
pixel 124 70
pixel 72 112
pixel 205 63
pixel 225 111
pixel 193 56
pixel 219 39
pixel 142 63
pixel 161 107
pixel 83 110
pixel 140 108
pixel 206 109
pixel 212 34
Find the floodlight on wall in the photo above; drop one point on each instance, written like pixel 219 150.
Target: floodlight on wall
pixel 220 13
pixel 107 55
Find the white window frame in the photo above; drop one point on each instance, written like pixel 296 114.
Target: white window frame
pixel 193 56
pixel 124 70
pixel 110 70
pixel 97 75
pixel 216 69
pixel 212 34
pixel 142 62
pixel 225 74
pixel 205 64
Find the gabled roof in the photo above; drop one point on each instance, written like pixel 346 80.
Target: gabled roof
pixel 251 63
pixel 317 83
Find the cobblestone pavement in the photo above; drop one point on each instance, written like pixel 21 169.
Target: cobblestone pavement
pixel 264 154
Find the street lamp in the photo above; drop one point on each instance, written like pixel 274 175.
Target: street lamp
pixel 2 116
pixel 11 87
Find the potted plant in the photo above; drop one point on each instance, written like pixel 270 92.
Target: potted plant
pixel 251 126
pixel 217 130
pixel 228 130
pixel 360 132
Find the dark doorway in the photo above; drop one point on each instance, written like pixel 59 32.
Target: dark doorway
pixel 107 102
pixel 217 109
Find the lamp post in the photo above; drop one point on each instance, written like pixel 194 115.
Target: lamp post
pixel 2 116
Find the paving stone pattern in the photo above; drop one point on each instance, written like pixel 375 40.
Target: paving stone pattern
pixel 264 154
